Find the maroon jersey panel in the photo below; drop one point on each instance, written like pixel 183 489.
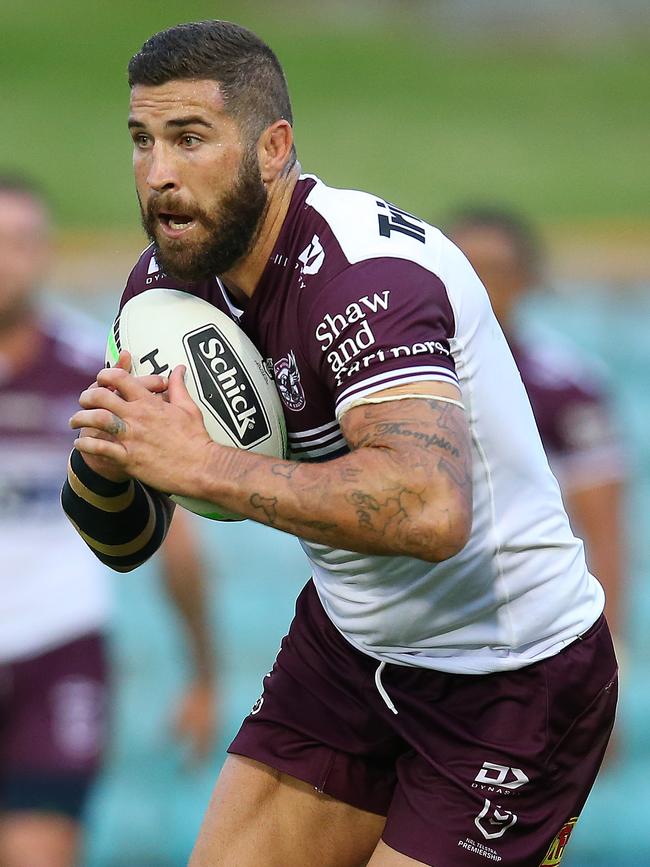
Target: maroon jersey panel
pixel 36 403
pixel 375 319
pixel 568 403
pixel 329 328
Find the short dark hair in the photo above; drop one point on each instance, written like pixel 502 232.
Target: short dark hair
pixel 252 80
pixel 21 185
pixel 517 228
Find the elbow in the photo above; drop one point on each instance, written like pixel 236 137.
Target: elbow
pixel 442 534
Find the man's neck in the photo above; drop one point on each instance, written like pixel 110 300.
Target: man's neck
pixel 19 340
pixel 242 280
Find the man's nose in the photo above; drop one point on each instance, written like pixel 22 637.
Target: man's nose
pixel 162 173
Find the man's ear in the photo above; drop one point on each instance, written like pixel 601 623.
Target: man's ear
pixel 274 149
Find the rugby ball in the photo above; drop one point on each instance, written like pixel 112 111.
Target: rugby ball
pixel 226 375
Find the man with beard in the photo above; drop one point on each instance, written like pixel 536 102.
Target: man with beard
pixel 54 598
pixel 448 662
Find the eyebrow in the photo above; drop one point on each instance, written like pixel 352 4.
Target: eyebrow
pixel 190 120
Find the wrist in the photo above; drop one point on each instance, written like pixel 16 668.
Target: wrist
pixel 96 481
pixel 210 480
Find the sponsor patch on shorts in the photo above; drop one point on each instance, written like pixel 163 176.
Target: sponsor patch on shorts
pixel 557 847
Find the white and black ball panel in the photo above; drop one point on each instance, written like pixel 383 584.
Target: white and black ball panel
pixel 226 375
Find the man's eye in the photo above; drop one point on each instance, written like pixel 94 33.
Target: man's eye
pixel 189 140
pixel 141 140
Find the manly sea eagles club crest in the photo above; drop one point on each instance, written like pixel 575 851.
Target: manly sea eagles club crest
pixel 287 380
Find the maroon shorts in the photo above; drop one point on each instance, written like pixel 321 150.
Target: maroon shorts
pixel 52 727
pixel 472 769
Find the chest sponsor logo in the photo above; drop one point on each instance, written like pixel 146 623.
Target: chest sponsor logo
pixel 225 386
pixel 353 320
pixel 493 821
pixel 499 778
pixel 287 380
pixel 557 847
pixel 331 327
pixel 312 257
pixel 392 219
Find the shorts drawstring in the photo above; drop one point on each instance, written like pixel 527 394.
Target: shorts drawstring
pixel 380 688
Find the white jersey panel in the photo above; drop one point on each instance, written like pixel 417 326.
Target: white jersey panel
pixel 519 590
pixel 52 589
pixel 352 216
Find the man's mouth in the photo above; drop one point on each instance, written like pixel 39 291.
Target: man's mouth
pixel 175 224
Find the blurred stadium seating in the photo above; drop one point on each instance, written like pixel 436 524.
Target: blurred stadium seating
pixel 540 104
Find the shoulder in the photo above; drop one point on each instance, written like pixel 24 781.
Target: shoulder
pixel 77 340
pixel 366 226
pixel 144 275
pixel 568 394
pixel 147 274
pixel 549 362
pixel 360 243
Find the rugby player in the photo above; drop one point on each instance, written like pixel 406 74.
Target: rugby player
pixel 565 391
pixel 446 690
pixel 54 599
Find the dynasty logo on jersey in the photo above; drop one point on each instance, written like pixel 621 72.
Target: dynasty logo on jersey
pixel 225 386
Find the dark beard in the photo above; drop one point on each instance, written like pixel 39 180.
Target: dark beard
pixel 232 228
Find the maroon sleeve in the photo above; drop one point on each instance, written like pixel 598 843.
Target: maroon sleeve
pixel 138 281
pixel 572 414
pixel 146 274
pixel 379 323
pixel 573 421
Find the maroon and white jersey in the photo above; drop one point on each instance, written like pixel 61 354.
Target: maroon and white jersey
pixel 52 589
pixel 571 411
pixel 359 296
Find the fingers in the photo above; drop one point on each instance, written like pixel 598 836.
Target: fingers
pixel 89 445
pixel 97 397
pixel 177 390
pixel 124 361
pixel 99 419
pixel 128 386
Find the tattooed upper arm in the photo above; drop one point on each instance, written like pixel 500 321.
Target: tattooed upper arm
pixel 428 443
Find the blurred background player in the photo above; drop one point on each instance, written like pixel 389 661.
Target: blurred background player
pixel 566 392
pixel 54 596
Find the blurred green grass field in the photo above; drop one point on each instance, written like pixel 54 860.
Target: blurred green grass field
pixel 386 106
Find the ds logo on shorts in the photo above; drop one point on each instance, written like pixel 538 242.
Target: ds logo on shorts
pixel 500 776
pixel 557 847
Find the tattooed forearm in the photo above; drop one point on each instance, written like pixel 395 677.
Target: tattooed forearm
pixel 404 488
pixel 387 513
pixel 285 469
pixel 350 474
pixel 321 526
pixel 267 505
pixel 364 505
pixel 459 473
pixel 423 438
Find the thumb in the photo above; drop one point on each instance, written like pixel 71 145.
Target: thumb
pixel 124 361
pixel 177 390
